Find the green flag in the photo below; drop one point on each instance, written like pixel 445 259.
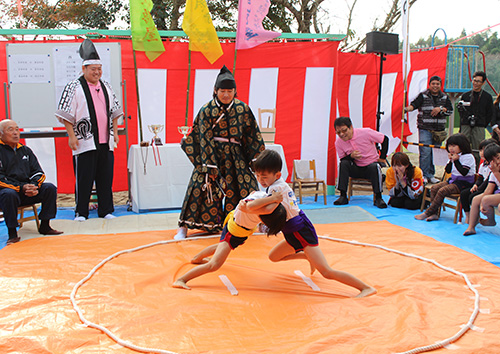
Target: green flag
pixel 145 36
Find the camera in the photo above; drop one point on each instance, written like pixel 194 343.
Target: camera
pixel 472 121
pixel 462 105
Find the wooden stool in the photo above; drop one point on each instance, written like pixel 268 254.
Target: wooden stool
pixel 22 219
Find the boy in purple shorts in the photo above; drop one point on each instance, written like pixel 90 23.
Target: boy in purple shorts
pixel 299 232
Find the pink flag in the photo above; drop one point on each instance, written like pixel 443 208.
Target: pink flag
pixel 250 32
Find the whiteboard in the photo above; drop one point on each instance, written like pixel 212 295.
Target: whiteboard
pixel 38 72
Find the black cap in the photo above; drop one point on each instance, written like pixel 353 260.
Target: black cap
pixel 225 79
pixel 88 53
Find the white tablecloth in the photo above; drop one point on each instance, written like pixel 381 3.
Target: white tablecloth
pixel 164 185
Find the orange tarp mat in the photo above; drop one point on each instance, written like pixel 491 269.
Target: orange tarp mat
pixel 417 303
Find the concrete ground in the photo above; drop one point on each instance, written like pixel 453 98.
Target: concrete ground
pixel 98 226
pixel 130 222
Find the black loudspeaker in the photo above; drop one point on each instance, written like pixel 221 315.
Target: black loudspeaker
pixel 382 42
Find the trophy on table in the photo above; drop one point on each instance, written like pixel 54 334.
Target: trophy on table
pixel 155 129
pixel 185 130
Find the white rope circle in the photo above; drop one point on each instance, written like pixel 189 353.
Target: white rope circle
pixel 465 327
pixel 137 348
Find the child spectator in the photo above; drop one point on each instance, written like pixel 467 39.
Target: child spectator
pixel 481 183
pixel 405 183
pixel 301 241
pixel 462 166
pixel 487 201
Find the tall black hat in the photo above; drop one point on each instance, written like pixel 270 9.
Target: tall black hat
pixel 225 79
pixel 88 53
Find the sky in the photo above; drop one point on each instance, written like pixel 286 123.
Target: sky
pixel 426 16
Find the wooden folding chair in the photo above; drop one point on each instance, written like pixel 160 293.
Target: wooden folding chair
pixel 22 219
pixel 360 184
pixel 302 180
pixel 457 206
pixel 269 131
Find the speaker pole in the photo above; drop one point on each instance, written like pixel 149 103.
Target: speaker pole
pixel 379 113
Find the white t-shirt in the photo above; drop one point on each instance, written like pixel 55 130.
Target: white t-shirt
pixel 484 170
pixel 467 160
pixel 247 220
pixel 493 179
pixel 289 199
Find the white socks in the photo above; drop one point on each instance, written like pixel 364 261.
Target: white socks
pixel 181 233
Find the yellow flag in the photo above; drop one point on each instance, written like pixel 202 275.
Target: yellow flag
pixel 198 25
pixel 145 36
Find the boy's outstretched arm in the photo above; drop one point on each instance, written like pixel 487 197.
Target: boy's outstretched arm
pixel 266 209
pixel 263 205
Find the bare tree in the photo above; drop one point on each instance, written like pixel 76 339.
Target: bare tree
pixel 301 16
pixel 63 13
pixel 390 21
pixel 304 12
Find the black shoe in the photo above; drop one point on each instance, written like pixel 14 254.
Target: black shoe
pixel 49 231
pixel 10 241
pixel 379 203
pixel 341 201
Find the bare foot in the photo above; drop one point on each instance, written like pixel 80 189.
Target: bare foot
pixel 466 219
pixel 421 216
pixel 432 217
pixel 469 232
pixel 200 261
pixel 180 284
pixel 487 222
pixel 367 292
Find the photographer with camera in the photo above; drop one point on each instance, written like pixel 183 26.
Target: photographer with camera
pixel 434 107
pixel 476 112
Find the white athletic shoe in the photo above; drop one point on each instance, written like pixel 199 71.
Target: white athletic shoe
pixel 434 180
pixel 109 216
pixel 181 233
pixel 80 218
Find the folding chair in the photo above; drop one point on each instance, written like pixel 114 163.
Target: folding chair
pixel 268 132
pixel 307 185
pixel 361 184
pixel 456 197
pixel 22 219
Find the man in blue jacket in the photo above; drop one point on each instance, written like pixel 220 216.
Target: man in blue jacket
pixel 21 182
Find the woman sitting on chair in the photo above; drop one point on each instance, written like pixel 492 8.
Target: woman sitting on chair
pixel 404 182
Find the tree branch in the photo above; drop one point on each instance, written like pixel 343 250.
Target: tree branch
pixel 391 19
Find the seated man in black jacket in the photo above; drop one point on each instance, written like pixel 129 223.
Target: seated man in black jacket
pixel 359 158
pixel 21 182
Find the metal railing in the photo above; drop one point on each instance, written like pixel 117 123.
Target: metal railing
pixel 461 64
